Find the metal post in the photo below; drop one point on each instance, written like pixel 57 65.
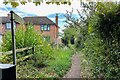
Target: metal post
pixel 13 38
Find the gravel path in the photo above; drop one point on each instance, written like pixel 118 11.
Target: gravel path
pixel 74 72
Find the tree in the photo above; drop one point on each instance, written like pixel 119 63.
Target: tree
pixel 79 24
pixel 99 34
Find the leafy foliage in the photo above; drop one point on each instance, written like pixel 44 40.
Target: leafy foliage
pixel 67 32
pixel 46 64
pixel 16 3
pixel 67 35
pixel 98 38
pixel 26 70
pixel 79 25
pixel 62 61
pixel 102 43
pixel 108 27
pixel 25 37
pixel 43 53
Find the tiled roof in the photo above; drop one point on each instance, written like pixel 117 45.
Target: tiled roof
pixel 4 19
pixel 34 20
pixel 38 20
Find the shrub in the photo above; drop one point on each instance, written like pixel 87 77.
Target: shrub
pixel 25 37
pixel 46 62
pixel 27 70
pixel 43 53
pixel 102 43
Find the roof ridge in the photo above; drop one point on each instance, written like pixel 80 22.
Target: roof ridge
pixel 34 19
pixel 3 17
pixel 34 16
pixel 38 20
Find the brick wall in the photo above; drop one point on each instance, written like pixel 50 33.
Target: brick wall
pixel 2 29
pixel 53 33
pixel 37 28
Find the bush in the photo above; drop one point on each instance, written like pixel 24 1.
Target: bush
pixel 25 37
pixel 56 61
pixel 102 43
pixel 68 34
pixel 43 53
pixel 27 70
pixel 46 63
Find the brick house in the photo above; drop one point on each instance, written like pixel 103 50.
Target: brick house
pixel 43 24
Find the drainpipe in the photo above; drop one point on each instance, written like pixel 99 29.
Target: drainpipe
pixel 56 19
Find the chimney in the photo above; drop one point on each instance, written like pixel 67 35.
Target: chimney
pixel 9 16
pixel 56 19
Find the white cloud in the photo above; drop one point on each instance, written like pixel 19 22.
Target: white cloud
pixel 3 13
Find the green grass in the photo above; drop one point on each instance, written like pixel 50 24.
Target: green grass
pixel 56 67
pixel 50 63
pixel 62 61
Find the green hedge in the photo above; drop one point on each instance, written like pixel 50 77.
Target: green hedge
pixel 102 41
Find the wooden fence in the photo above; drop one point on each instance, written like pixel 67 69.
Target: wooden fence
pixel 20 50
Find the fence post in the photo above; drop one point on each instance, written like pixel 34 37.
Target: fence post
pixel 33 49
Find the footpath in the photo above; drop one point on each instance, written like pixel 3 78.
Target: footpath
pixel 74 72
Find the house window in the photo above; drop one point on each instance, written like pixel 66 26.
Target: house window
pixel 45 27
pixel 46 38
pixel 8 25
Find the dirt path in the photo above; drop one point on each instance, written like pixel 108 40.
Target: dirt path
pixel 74 72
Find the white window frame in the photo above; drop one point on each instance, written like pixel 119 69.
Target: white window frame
pixel 42 27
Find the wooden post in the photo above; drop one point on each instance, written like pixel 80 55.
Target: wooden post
pixel 13 37
pixel 33 49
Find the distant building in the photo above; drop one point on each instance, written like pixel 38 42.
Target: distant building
pixel 43 24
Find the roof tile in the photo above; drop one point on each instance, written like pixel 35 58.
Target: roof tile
pixel 37 20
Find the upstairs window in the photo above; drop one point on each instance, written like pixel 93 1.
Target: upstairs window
pixel 45 27
pixel 8 25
